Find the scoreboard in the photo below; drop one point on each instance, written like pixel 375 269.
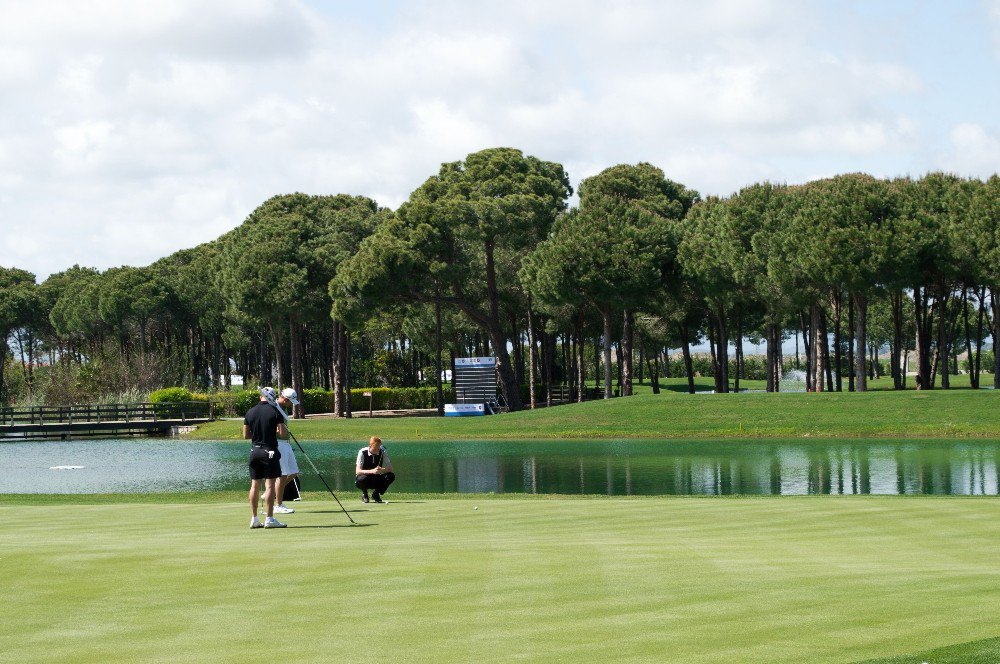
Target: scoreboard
pixel 475 380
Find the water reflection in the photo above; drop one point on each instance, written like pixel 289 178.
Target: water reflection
pixel 613 468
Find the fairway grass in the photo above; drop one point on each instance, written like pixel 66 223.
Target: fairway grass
pixel 425 579
pixel 885 414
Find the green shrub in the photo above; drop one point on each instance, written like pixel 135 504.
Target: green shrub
pixel 171 395
pixel 397 398
pixel 167 402
pixel 317 400
pixel 234 404
pixel 985 362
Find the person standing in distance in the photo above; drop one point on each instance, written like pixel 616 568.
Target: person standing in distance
pixel 262 426
pixel 289 466
pixel 373 470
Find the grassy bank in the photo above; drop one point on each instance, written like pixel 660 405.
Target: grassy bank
pixel 939 413
pixel 637 580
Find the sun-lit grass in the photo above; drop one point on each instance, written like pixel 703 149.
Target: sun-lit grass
pixel 906 414
pixel 522 579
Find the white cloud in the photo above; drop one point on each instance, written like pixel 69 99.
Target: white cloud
pixel 974 151
pixel 130 130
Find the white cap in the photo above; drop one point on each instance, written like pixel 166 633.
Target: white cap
pixel 268 393
pixel 291 395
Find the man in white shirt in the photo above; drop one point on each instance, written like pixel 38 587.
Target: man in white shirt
pixel 373 470
pixel 289 466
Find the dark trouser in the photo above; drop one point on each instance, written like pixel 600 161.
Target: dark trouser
pixel 375 483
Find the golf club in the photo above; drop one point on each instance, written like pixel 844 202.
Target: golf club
pixel 284 416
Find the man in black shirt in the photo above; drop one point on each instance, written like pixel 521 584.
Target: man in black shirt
pixel 262 426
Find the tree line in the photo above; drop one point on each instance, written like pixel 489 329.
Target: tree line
pixel 487 258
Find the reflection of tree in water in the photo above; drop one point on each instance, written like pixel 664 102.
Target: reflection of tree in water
pixel 775 474
pixel 704 468
pixel 819 471
pixel 861 478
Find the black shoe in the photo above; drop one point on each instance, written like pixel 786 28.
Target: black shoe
pixel 364 497
pixel 377 497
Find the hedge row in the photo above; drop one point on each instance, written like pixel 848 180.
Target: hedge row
pixel 236 404
pixel 382 398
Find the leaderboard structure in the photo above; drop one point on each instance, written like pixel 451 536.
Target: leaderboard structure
pixel 475 382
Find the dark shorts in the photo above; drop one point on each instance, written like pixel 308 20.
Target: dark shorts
pixel 261 466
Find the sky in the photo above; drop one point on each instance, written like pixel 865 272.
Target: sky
pixel 129 130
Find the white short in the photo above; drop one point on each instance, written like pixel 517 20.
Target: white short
pixel 289 466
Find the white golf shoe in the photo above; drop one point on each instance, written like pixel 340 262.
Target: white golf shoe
pixel 271 522
pixel 254 523
pixel 281 509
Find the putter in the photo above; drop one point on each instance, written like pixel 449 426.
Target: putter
pixel 306 455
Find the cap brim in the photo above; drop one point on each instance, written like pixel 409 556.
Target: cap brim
pixel 295 402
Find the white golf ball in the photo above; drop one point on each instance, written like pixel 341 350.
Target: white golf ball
pixel 475 508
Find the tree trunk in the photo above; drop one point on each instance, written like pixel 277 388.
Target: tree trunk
pixel 626 359
pixel 549 340
pixel 817 347
pixel 4 401
pixel 518 350
pixel 277 342
pixel 838 368
pixel 227 370
pixel 338 369
pixel 618 366
pixel 688 364
pixel 898 377
pixel 716 371
pixel 773 361
pixel 723 349
pixel 825 340
pixel 642 356
pixel 944 341
pixel 655 373
pixel 508 381
pixel 567 369
pixel 532 369
pixel 771 384
pixel 807 350
pixel 347 374
pixel 995 305
pixel 860 302
pixel 296 368
pixel 981 316
pixel 606 319
pixel 923 316
pixel 220 361
pixel 738 349
pixel 973 382
pixel 597 363
pixel 580 364
pixel 437 357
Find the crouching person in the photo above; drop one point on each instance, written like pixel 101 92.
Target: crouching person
pixel 373 470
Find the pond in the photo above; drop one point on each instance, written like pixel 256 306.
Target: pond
pixel 661 467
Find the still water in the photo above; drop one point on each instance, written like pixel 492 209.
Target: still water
pixel 661 467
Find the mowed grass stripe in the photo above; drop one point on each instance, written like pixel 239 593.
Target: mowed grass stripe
pixel 642 579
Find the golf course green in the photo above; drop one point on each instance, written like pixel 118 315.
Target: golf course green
pixel 426 579
pixel 179 577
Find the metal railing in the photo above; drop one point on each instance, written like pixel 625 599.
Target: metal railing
pixel 101 413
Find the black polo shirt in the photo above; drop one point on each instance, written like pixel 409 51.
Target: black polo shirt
pixel 263 420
